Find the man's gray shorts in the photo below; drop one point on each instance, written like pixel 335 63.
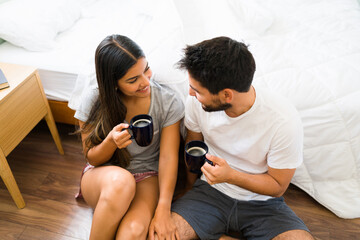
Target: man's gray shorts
pixel 212 214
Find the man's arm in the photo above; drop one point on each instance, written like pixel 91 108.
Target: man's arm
pixel 272 183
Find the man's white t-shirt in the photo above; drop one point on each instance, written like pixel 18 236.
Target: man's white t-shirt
pixel 270 133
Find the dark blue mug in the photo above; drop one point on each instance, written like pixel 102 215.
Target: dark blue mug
pixel 142 129
pixel 195 152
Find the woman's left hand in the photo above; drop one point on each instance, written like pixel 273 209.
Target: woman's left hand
pixel 162 226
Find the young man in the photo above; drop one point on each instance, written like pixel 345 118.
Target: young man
pixel 255 141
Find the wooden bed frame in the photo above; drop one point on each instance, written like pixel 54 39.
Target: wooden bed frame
pixel 62 113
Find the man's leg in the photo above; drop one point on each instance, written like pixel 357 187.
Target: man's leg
pixel 271 219
pixel 226 237
pixel 186 232
pixel 294 235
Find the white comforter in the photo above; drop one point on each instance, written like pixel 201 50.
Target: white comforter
pixel 314 60
pixel 308 51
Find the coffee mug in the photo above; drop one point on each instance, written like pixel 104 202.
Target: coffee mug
pixel 141 129
pixel 195 152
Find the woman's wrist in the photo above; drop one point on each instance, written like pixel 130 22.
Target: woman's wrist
pixel 163 205
pixel 110 140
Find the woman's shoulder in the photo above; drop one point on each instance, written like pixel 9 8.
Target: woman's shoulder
pixel 162 88
pixel 164 92
pixel 165 96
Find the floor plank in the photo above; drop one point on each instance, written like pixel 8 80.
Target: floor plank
pixel 33 233
pixel 10 231
pixel 49 215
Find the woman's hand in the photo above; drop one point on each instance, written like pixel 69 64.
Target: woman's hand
pixel 119 137
pixel 162 226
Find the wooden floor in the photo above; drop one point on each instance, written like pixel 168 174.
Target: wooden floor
pixel 49 181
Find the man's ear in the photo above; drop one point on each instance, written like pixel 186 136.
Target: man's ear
pixel 228 95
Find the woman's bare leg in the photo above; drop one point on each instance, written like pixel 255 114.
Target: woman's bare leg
pixel 109 190
pixel 135 224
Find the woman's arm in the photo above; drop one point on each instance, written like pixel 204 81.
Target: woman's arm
pixel 168 163
pixel 162 224
pixel 101 153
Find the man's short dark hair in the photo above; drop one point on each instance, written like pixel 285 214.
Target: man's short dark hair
pixel 220 63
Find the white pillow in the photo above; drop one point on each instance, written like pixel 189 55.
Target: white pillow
pixel 34 24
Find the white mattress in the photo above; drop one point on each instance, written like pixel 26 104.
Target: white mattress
pixel 58 82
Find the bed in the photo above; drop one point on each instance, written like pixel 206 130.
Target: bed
pixel 305 50
pixel 60 38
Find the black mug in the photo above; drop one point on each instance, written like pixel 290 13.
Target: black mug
pixel 195 152
pixel 142 129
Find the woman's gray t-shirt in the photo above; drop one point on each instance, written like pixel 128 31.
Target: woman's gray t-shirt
pixel 166 108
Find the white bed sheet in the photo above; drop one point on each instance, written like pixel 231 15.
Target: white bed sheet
pixel 58 82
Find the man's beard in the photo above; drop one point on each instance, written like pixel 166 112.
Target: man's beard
pixel 219 107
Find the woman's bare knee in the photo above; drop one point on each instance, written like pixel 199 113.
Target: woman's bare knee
pixel 108 184
pixel 119 183
pixel 119 188
pixel 134 229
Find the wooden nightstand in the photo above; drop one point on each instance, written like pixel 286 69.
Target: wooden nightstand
pixel 22 106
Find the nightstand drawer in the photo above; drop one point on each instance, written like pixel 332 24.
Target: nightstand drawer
pixel 20 113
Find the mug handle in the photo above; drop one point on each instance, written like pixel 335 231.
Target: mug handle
pixel 209 162
pixel 129 128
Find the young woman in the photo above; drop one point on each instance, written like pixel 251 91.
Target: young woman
pixel 129 187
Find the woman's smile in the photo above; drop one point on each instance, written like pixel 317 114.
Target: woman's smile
pixel 144 89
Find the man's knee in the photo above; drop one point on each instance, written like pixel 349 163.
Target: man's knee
pixel 294 235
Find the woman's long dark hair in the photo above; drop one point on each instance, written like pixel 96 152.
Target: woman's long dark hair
pixel 114 56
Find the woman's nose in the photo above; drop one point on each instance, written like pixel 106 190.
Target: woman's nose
pixel 145 78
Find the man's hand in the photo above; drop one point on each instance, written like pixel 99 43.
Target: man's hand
pixel 220 172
